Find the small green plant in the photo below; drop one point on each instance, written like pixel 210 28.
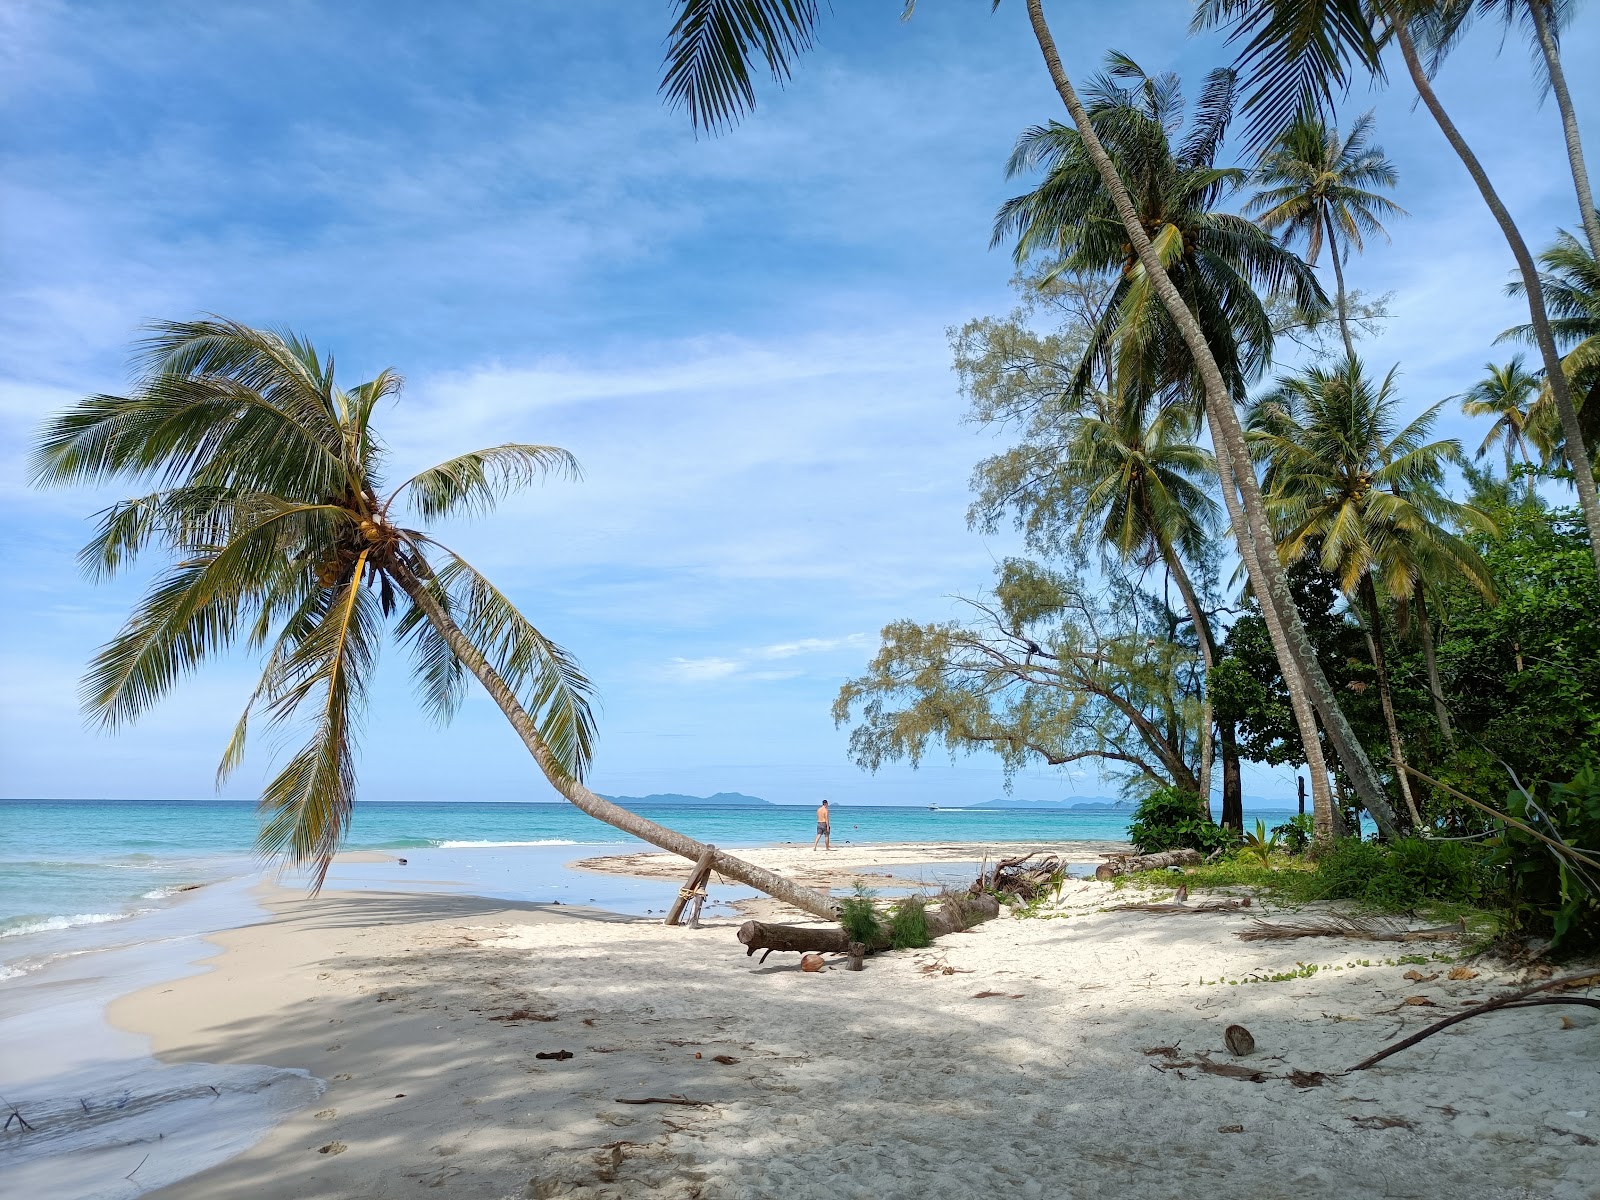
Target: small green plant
pixel 908 924
pixel 1170 819
pixel 859 917
pixel 1261 845
pixel 1296 833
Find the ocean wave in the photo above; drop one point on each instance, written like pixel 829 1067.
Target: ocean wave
pixel 474 845
pixel 32 924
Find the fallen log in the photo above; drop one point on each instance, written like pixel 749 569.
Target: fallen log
pixel 1129 863
pixel 954 913
pixel 1172 907
pixel 1263 931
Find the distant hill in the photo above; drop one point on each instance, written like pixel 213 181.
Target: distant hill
pixel 662 798
pixel 1098 804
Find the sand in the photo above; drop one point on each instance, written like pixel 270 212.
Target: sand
pixel 1021 1059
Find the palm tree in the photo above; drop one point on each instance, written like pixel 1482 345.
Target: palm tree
pixel 1364 498
pixel 1221 263
pixel 709 53
pixel 1570 282
pixel 1318 189
pixel 1506 393
pixel 267 499
pixel 1298 56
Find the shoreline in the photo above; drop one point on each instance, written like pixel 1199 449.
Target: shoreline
pixel 1034 1061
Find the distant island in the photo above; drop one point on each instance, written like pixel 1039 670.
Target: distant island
pixel 1098 804
pixel 662 798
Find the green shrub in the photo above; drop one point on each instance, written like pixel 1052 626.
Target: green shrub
pixel 1546 895
pixel 1295 833
pixel 859 917
pixel 908 925
pixel 1401 875
pixel 1170 819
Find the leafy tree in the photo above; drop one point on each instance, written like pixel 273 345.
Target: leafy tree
pixel 1317 188
pixel 1049 669
pixel 1505 393
pixel 270 508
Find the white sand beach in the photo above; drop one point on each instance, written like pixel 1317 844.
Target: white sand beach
pixel 1028 1057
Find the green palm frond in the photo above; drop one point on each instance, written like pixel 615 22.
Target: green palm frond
pixel 474 483
pixel 713 45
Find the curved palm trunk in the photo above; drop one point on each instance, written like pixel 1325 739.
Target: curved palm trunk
pixel 1435 688
pixel 775 885
pixel 1569 121
pixel 1308 687
pixel 1555 377
pixel 1374 632
pixel 1342 308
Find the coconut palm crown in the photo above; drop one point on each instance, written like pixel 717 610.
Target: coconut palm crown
pixel 268 499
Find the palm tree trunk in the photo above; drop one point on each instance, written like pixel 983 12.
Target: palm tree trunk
pixel 1425 632
pixel 1555 377
pixel 1308 687
pixel 1233 784
pixel 1569 122
pixel 1374 631
pixel 1208 658
pixel 775 885
pixel 1341 307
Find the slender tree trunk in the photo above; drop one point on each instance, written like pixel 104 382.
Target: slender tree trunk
pixel 1397 753
pixel 1341 306
pixel 1232 783
pixel 804 898
pixel 1555 377
pixel 1308 686
pixel 1551 50
pixel 1425 632
pixel 1208 658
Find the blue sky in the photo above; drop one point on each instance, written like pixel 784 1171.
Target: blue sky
pixel 742 338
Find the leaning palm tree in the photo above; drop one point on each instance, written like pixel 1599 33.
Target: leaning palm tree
pixel 1299 56
pixel 1365 498
pixel 1505 393
pixel 708 71
pixel 267 498
pixel 1317 189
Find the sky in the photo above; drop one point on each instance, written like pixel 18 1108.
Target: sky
pixel 743 339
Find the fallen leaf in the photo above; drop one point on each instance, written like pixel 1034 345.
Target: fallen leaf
pixel 985 995
pixel 557 1055
pixel 726 1060
pixel 1163 1051
pixel 1417 976
pixel 1461 973
pixel 1380 1122
pixel 1230 1128
pixel 332 1148
pixel 1419 1001
pixel 1307 1079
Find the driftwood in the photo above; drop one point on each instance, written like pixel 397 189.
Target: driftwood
pixel 1510 1000
pixel 1231 905
pixel 1263 931
pixel 1021 877
pixel 686 1103
pixel 954 913
pixel 1127 864
pixel 695 889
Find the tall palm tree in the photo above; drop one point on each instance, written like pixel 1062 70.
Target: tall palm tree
pixel 268 502
pixel 709 53
pixel 1317 188
pixel 1299 56
pixel 1505 393
pixel 1221 263
pixel 1365 498
pixel 1570 282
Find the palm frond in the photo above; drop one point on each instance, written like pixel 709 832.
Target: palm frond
pixel 473 483
pixel 713 45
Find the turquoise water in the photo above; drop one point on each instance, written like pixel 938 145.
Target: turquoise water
pixel 71 863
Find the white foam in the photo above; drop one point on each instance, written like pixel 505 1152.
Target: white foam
pixel 72 922
pixel 475 845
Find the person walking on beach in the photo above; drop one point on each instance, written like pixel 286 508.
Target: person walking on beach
pixel 824 828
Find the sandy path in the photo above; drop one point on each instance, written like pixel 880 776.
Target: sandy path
pixel 894 1082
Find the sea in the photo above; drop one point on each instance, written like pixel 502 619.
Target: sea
pixel 70 865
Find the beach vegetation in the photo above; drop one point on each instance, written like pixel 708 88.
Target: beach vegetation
pixel 1261 845
pixel 908 924
pixel 1169 819
pixel 859 916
